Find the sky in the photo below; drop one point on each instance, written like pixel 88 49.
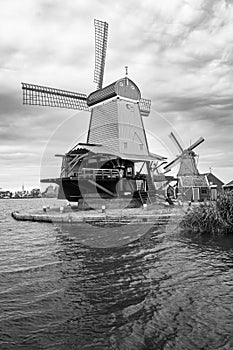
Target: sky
pixel 179 53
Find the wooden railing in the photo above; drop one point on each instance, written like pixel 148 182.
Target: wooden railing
pixel 97 173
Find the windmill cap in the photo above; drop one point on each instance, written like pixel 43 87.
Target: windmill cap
pixel 124 87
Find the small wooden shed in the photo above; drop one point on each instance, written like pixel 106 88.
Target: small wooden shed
pixel 228 186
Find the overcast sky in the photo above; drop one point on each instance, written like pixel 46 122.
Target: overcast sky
pixel 179 53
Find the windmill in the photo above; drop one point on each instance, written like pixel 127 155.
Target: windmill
pixel 116 138
pixel 191 184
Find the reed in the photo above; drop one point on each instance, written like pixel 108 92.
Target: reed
pixel 211 217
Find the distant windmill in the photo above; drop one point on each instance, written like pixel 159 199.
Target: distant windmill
pixel 188 165
pixel 115 129
pixel 191 184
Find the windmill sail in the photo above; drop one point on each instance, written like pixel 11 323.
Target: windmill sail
pixel 101 36
pixel 46 96
pixel 195 144
pixel 169 166
pixel 172 136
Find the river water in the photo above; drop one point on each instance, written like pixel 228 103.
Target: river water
pixel 166 290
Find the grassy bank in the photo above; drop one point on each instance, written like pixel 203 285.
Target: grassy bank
pixel 211 218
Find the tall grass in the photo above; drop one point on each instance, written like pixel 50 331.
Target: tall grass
pixel 212 217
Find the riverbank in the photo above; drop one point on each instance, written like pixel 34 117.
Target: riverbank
pixel 213 218
pixel 155 214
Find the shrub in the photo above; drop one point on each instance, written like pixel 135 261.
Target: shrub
pixel 211 217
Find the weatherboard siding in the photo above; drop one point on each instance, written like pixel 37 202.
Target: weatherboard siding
pixel 104 126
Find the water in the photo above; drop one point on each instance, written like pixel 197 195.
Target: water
pixel 164 291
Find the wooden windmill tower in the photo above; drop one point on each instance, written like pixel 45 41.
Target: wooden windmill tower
pixel 116 138
pixel 192 185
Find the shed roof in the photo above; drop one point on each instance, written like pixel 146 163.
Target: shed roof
pixel 213 178
pixel 229 184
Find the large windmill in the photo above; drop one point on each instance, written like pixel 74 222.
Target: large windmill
pixel 116 142
pixel 191 184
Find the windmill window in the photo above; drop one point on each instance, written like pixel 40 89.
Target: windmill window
pixel 129 171
pixel 125 145
pixel 141 146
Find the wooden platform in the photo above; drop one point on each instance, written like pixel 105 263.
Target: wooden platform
pixel 152 215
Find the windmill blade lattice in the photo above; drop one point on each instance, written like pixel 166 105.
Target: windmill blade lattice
pixel 101 37
pixel 46 96
pixel 144 106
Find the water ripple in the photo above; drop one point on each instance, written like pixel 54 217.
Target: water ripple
pixel 163 291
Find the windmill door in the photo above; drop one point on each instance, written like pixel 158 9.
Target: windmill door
pixel 196 194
